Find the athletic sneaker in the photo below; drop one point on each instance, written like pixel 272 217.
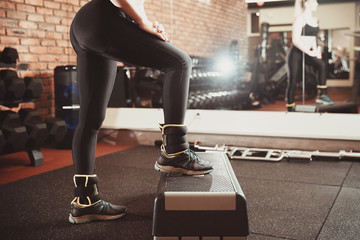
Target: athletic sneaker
pixel 188 163
pixel 324 100
pixel 99 211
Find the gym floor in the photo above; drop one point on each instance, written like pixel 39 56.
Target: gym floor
pixel 286 200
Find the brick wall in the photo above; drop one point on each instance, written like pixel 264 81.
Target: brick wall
pixel 38 29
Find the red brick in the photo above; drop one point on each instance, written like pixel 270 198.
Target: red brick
pixel 2 13
pixel 48 42
pixel 43 111
pixel 49 88
pixel 7 5
pixel 68 8
pixel 55 50
pixel 18 1
pixel 71 15
pixel 66 36
pixel 52 19
pixel 47 27
pixel 37 66
pixel 28 58
pixel 52 5
pixel 36 33
pixel 22 49
pixel 8 23
pixel 45 11
pixel 53 35
pixel 35 18
pixel 62 28
pixel 69 51
pixel 2 31
pixel 25 8
pixel 46 74
pixel 47 58
pixel 63 43
pixel 35 2
pixel 73 2
pixel 30 41
pixel 9 40
pixel 15 32
pixel 38 50
pixel 52 66
pixel 82 3
pixel 15 14
pixel 61 13
pixel 28 25
pixel 66 21
pixel 72 60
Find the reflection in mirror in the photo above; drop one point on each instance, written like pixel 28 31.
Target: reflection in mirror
pixel 336 52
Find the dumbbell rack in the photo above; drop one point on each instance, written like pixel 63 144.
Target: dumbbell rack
pixel 208 91
pixel 21 129
pixel 14 133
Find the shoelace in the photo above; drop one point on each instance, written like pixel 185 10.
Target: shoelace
pixel 193 155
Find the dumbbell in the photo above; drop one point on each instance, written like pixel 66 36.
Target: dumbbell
pixel 36 129
pixel 14 86
pixel 56 129
pixel 34 88
pixel 9 55
pixel 14 132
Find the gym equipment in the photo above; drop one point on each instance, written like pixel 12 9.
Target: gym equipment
pixel 56 129
pixel 36 129
pixel 34 88
pixel 120 95
pixel 15 87
pixel 8 57
pixel 210 206
pixel 337 107
pixel 209 87
pixel 276 155
pixel 66 101
pixel 15 133
pixel 14 137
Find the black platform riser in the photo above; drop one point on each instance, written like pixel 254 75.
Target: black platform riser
pixel 217 222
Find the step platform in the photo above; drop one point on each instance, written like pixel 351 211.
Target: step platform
pixel 337 107
pixel 206 207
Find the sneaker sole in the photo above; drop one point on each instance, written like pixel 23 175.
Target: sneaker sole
pixel 93 217
pixel 170 169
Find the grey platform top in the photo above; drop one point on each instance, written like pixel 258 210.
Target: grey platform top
pixel 217 181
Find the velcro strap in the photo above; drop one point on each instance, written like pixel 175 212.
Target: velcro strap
pixel 177 148
pixel 88 191
pixel 175 130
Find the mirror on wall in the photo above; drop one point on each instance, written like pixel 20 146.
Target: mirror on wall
pixel 259 81
pixel 336 47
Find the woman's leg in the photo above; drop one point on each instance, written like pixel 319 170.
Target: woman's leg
pixel 128 43
pixel 319 65
pixel 294 65
pixel 95 79
pixel 96 76
pixel 143 49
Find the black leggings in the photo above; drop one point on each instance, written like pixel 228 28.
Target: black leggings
pixel 294 67
pixel 101 35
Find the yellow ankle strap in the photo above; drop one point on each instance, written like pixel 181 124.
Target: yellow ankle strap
pixel 170 155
